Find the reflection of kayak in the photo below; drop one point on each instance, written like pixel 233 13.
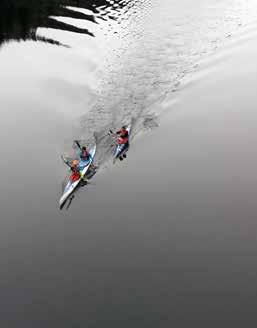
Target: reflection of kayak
pixel 75 179
pixel 121 149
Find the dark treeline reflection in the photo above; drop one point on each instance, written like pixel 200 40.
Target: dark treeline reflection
pixel 19 19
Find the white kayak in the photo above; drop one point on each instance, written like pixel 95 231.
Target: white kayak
pixel 121 149
pixel 71 185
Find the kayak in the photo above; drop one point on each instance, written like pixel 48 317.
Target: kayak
pixel 75 180
pixel 121 149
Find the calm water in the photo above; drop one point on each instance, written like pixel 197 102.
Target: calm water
pixel 68 69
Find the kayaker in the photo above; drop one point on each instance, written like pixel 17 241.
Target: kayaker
pixel 75 170
pixel 123 139
pixel 85 155
pixel 74 166
pixel 76 173
pixel 123 135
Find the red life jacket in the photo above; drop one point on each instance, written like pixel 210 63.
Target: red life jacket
pixel 75 176
pixel 122 141
pixel 124 137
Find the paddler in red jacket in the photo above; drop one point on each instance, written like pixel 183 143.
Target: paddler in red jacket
pixel 123 135
pixel 76 173
pixel 75 170
pixel 123 139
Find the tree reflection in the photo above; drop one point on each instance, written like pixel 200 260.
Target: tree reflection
pixel 20 19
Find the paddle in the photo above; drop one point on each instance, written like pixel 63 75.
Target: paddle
pixel 65 161
pixel 113 135
pixel 70 201
pixel 77 143
pixel 109 134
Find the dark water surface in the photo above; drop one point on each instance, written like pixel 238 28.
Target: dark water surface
pixel 124 255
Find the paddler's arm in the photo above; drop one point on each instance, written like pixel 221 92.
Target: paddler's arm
pixel 66 162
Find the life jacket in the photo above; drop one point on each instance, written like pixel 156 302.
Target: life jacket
pixel 122 141
pixel 124 137
pixel 75 174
